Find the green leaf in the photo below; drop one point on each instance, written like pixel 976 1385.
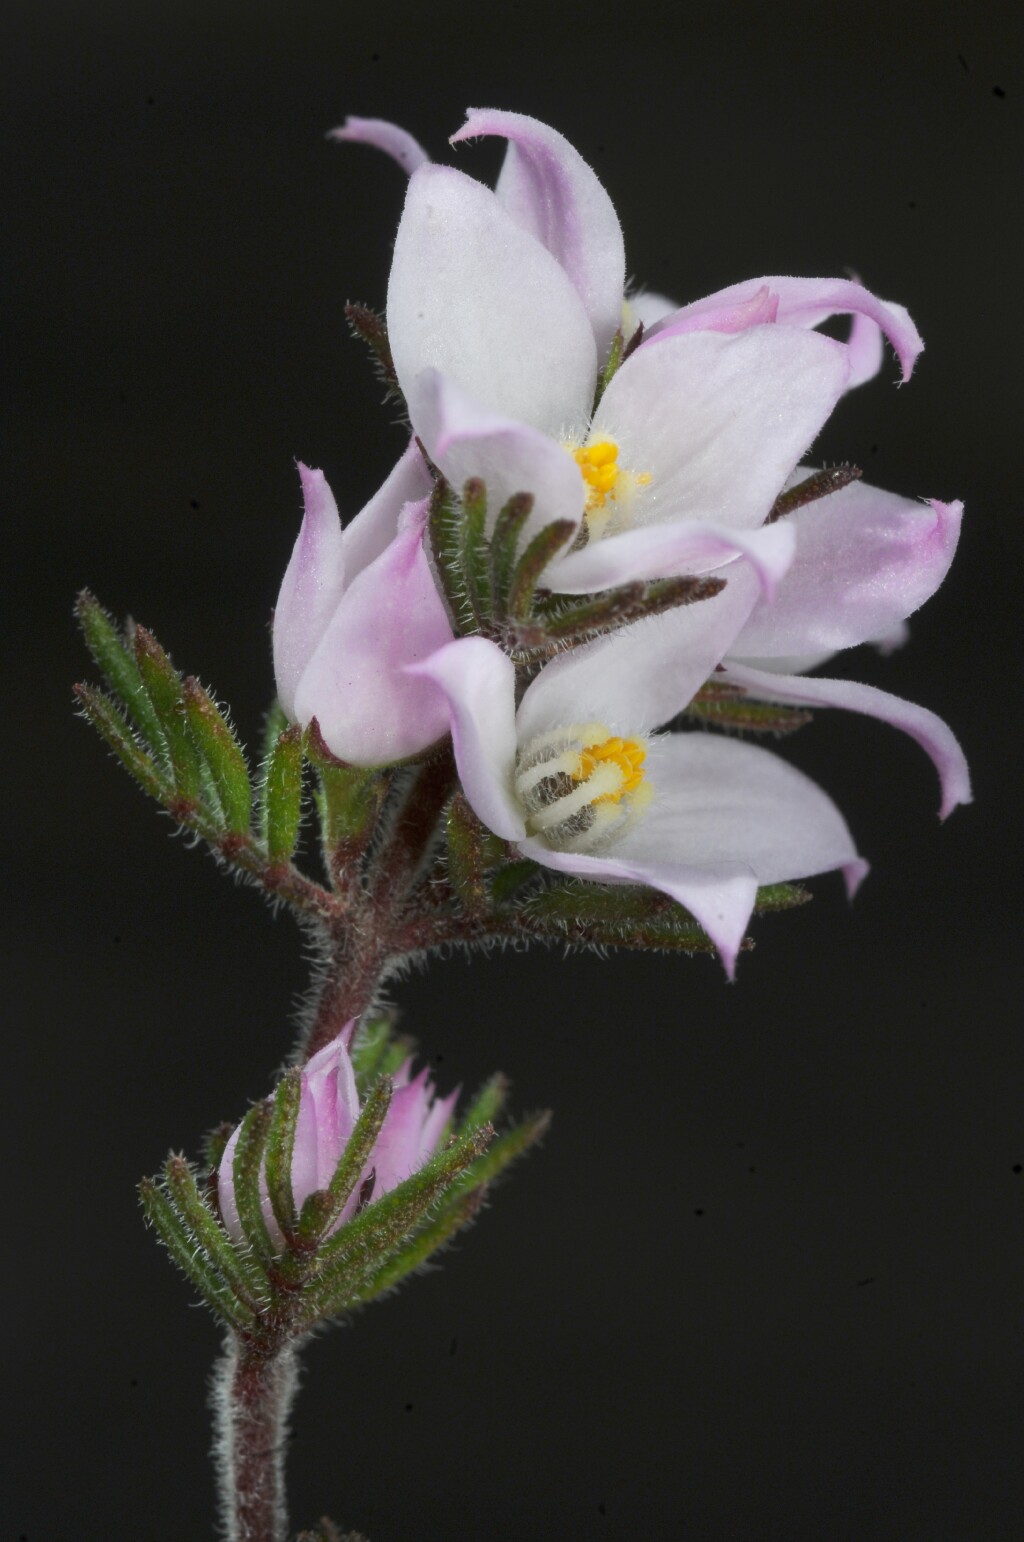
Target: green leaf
pixel 544 546
pixel 223 755
pixel 507 1149
pixel 369 1046
pixel 248 1160
pixel 614 360
pixel 280 1149
pixel 467 854
pixel 117 662
pixel 445 539
pixel 371 328
pixel 281 809
pixel 510 879
pixel 818 485
pixel 164 688
pixel 572 624
pixel 780 896
pixel 351 797
pixel 246 1283
pixel 487 1104
pixel 508 527
pixel 620 916
pixel 317 1219
pixel 727 705
pixel 475 554
pixel 361 1246
pixel 274 725
pixel 422 1245
pixel 112 726
pixel 191 1257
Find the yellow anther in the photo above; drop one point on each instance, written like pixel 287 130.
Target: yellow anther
pixel 606 483
pixel 626 755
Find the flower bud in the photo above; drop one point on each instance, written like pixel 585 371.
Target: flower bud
pixel 329 1107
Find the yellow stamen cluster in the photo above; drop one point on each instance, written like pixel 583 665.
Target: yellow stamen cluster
pixel 599 466
pixel 625 754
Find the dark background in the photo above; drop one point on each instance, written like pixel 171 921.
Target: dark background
pixel 765 1278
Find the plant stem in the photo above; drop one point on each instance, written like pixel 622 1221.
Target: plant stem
pixel 253 1389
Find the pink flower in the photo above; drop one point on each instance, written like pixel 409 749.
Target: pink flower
pixel 329 1108
pixel 357 605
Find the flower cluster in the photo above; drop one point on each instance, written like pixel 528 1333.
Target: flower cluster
pixel 652 442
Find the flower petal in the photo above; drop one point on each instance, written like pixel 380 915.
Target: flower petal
pixel 865 560
pixel 370 710
pixel 479 682
pixel 467 440
pixel 394 141
pixel 640 677
pixel 313 583
pixel 548 188
pixel 719 421
pixel 931 733
pixel 375 526
pixel 658 551
pixel 476 297
pixel 807 302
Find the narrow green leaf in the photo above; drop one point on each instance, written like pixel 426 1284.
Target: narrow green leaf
pixel 570 625
pixel 544 546
pixel 614 360
pixel 354 1158
pixel 281 809
pixel 371 328
pixel 117 662
pixel 364 1242
pixel 274 725
pixel 508 527
pixel 621 916
pixel 245 1283
pixel 280 1149
pixel 728 705
pixel 111 725
pixel 507 1149
pixel 466 854
pixel 248 1160
pixel 818 485
pixel 423 1245
pixel 445 540
pixel 222 753
pixel 780 896
pixel 509 880
pixel 474 554
pixel 351 797
pixel 164 688
pixel 190 1258
pixel 487 1104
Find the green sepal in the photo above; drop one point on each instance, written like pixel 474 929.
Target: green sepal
pixel 215 1144
pixel 445 540
pixel 508 527
pixel 474 554
pixel 780 896
pixel 469 848
pixel 116 660
pixel 528 570
pixel 164 689
pixel 604 380
pixel 280 1149
pixel 248 1160
pixel 281 805
pixel 111 724
pixel 510 879
pixel 719 701
pixel 487 1104
pixel 572 624
pixel 274 725
pixel 422 1245
pixel 371 328
pixel 621 916
pixel 350 797
pixel 361 1247
pixel 319 1217
pixel 818 485
pixel 190 1257
pixel 247 1284
pixel 223 755
pixel 506 1149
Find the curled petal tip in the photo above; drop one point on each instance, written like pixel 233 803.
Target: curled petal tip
pixel 382 135
pixel 854 874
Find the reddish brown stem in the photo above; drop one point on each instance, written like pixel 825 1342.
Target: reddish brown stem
pixel 253 1393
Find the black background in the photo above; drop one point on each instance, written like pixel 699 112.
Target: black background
pixel 765 1278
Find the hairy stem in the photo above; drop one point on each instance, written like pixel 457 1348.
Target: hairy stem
pixel 253 1389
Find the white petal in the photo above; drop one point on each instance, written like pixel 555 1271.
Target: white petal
pixel 312 586
pixel 383 135
pixel 720 420
pixel 660 551
pixel 640 677
pixel 473 295
pixel 375 526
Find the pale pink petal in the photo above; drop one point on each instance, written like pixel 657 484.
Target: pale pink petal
pixel 658 551
pixel 864 346
pixel 370 711
pixel 806 302
pixel 468 440
pixel 226 1189
pixel 931 733
pixel 640 677
pixel 473 295
pixel 435 1115
pixel 313 583
pixel 732 315
pixel 478 681
pixel 394 141
pixel 375 526
pixel 719 421
pixel 548 189
pixel 396 1151
pixel 865 560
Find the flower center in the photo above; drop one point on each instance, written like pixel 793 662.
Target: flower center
pixel 581 785
pixel 610 489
